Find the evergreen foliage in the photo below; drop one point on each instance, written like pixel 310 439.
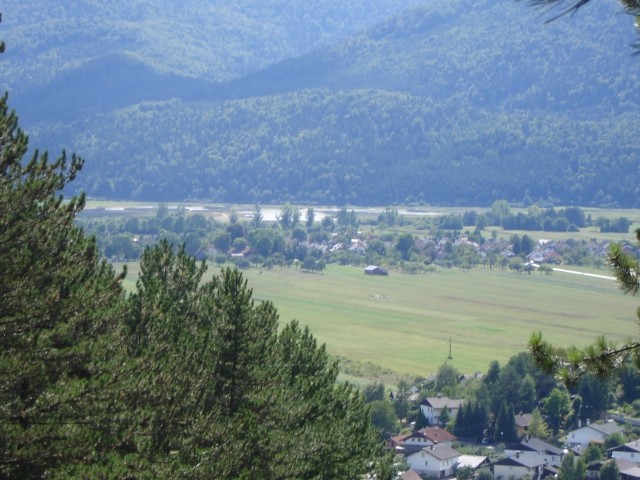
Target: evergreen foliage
pixel 471 421
pixel 59 310
pixel 505 429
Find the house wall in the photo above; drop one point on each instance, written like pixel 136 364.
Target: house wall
pixel 425 464
pixel 433 414
pixel 631 456
pixel 548 458
pixel 583 436
pixel 418 441
pixel 506 472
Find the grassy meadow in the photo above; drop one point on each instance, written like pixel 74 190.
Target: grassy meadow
pixel 404 322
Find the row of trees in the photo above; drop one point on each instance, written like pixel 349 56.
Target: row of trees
pixel 413 245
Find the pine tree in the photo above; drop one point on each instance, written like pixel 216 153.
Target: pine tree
pixel 527 394
pixel 218 393
pixel 505 427
pixel 480 420
pixel 461 428
pixel 59 309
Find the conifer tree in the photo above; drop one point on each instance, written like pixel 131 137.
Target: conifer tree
pixel 480 420
pixel 505 427
pixel 59 304
pixel 219 393
pixel 461 428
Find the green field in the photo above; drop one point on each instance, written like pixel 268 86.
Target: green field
pixel 404 322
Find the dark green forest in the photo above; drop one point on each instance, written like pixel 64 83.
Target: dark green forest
pixel 451 103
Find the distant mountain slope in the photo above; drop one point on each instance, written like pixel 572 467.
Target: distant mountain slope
pixel 490 53
pixel 105 83
pixel 213 40
pixel 454 102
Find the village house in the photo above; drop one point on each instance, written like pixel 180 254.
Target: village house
pixel 536 448
pixel 629 451
pixel 522 423
pixel 412 442
pixel 436 461
pixel 591 432
pixel 518 467
pixel 431 408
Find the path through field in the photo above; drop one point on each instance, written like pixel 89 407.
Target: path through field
pixel 605 277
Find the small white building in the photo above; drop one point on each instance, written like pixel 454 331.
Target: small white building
pixel 592 432
pixel 431 408
pixel 437 461
pixel 518 467
pixel 536 448
pixel 629 451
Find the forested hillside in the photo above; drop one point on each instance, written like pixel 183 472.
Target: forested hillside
pixel 448 102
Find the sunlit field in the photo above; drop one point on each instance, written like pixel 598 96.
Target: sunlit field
pixel 406 323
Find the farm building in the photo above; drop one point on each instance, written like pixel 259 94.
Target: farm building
pixel 375 270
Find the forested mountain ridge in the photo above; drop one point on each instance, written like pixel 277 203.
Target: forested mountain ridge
pixel 212 40
pixel 452 102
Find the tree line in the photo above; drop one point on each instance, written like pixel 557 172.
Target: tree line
pixel 302 239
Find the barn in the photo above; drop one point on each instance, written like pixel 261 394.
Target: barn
pixel 375 270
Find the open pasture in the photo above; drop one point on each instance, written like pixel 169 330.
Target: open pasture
pixel 404 322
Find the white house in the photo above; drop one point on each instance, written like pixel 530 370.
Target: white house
pixel 432 408
pixel 629 451
pixel 591 432
pixel 536 448
pixel 518 467
pixel 437 461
